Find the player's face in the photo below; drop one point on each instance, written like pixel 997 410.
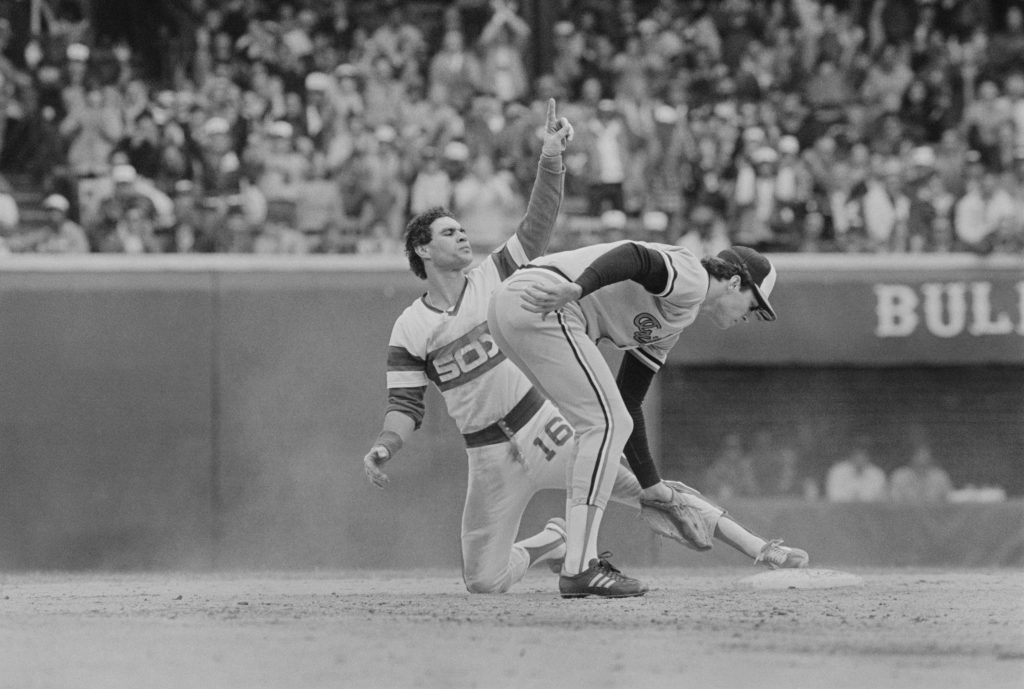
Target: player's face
pixel 449 247
pixel 734 306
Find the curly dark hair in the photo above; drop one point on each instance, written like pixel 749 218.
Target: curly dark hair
pixel 418 233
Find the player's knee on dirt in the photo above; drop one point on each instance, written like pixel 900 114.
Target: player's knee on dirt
pixel 482 584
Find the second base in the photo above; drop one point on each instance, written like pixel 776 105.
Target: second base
pixel 801 579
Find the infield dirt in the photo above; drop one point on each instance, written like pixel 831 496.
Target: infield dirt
pixel 927 629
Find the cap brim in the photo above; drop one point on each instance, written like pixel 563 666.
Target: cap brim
pixel 765 312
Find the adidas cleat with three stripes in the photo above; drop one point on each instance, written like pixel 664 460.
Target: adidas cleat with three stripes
pixel 600 579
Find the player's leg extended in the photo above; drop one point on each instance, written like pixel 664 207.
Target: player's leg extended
pixel 770 553
pixel 557 355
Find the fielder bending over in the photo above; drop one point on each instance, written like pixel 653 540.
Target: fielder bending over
pixel 639 296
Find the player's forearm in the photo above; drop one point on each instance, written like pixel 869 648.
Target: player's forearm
pixel 634 380
pixel 630 261
pixel 542 211
pixel 395 430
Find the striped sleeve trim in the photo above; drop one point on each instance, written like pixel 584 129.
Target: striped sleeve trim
pixel 648 359
pixel 673 275
pixel 406 379
pixel 510 257
pixel 401 359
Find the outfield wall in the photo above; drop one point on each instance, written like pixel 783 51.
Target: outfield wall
pixel 213 410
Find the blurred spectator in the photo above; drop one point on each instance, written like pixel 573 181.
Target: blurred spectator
pixel 502 42
pixel 59 235
pixel 142 145
pixel 731 474
pixel 706 232
pixel 985 115
pixel 9 214
pixel 187 234
pixel 856 478
pixel 486 200
pixel 92 131
pixel 277 237
pixel 431 185
pixel 921 479
pixel 455 73
pixel 878 220
pixel 606 139
pixel 887 81
pixel 126 221
pixel 983 214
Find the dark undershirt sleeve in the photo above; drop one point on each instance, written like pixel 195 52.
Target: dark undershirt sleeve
pixel 629 261
pixel 634 379
pixel 408 401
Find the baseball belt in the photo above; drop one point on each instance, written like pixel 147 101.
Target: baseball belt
pixel 501 431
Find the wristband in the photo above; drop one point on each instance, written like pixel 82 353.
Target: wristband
pixel 390 441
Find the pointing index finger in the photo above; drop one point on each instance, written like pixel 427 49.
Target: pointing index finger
pixel 551 123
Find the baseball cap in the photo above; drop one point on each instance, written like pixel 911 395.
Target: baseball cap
pixel 757 272
pixel 56 202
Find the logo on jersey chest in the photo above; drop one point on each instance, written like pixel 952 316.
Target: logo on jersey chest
pixel 463 359
pixel 645 324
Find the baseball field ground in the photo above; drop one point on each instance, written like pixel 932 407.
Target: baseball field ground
pixel 698 627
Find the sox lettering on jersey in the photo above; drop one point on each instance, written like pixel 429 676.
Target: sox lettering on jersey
pixel 946 309
pixel 463 359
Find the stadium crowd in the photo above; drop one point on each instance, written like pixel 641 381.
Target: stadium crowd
pixel 298 127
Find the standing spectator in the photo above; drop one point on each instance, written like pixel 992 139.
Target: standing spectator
pixel 142 145
pixel 706 233
pixel 383 94
pixel 920 480
pixel 856 478
pixel 607 141
pixel 431 186
pixel 347 99
pixel 929 219
pixel 983 214
pixel 398 39
pixel 92 131
pixel 1006 47
pixel 502 42
pixel 126 220
pixel 318 114
pixel 886 81
pixel 454 73
pixel 983 118
pixel 221 168
pixel 487 201
pixel 880 222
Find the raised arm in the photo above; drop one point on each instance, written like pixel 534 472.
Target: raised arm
pixel 535 228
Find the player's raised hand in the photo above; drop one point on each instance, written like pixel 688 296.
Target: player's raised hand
pixel 544 299
pixel 557 132
pixel 372 463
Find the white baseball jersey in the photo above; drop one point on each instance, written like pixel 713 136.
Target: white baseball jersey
pixel 625 313
pixel 455 351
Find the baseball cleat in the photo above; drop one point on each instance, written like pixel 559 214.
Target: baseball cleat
pixel 600 579
pixel 774 555
pixel 552 553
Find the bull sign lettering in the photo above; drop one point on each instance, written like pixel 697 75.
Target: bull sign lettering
pixel 946 309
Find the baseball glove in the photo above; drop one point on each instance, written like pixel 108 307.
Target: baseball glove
pixel 687 518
